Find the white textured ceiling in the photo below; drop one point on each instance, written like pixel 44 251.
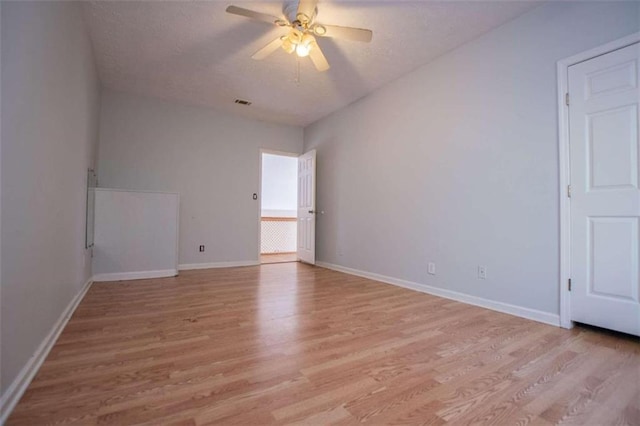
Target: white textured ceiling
pixel 196 54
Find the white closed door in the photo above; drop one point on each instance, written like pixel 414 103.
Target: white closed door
pixel 605 194
pixel 307 207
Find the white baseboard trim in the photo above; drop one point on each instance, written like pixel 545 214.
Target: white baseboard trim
pixel 19 385
pixel 188 266
pixel 141 275
pixel 519 311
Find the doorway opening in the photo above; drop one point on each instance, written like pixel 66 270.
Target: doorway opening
pixel 278 208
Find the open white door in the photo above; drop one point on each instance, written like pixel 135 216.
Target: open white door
pixel 307 207
pixel 605 194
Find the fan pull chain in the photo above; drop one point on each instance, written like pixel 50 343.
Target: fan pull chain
pixel 297 71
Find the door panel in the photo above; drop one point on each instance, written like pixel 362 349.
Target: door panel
pixel 613 148
pixel 605 199
pixel 613 247
pixel 307 207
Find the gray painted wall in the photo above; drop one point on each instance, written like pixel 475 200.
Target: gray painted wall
pixel 135 232
pixel 210 158
pixel 457 162
pixel 50 100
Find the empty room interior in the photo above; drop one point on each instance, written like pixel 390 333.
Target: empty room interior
pixel 320 212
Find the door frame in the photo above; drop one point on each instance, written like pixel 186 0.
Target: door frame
pixel 259 210
pixel 565 164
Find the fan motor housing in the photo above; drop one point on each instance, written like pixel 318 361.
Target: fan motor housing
pixel 290 9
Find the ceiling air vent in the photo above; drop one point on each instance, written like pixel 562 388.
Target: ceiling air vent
pixel 243 102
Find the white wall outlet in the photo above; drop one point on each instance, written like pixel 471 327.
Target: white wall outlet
pixel 431 268
pixel 482 272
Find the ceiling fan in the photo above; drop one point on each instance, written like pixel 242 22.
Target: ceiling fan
pixel 303 30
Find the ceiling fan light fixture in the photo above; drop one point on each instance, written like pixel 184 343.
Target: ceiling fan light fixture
pixel 295 36
pixel 306 44
pixel 303 18
pixel 303 50
pixel 319 30
pixel 287 45
pixel 300 19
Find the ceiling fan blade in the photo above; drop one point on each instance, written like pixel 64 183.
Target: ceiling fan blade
pixel 252 14
pixel 268 49
pixel 318 59
pixel 348 33
pixel 306 8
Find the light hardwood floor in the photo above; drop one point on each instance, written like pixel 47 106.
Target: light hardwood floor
pixel 291 343
pixel 278 257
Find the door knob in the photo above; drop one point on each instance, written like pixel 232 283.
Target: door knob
pixel 312 211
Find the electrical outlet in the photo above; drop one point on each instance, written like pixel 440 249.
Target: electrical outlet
pixel 201 248
pixel 431 268
pixel 482 272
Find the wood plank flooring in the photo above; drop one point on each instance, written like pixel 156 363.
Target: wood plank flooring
pixel 278 257
pixel 294 344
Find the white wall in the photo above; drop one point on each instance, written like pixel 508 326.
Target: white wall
pixel 279 185
pixel 210 158
pixel 50 100
pixel 136 234
pixel 457 162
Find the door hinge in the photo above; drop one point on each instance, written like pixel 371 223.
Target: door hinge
pixel 569 191
pixel 566 98
pixel 569 286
